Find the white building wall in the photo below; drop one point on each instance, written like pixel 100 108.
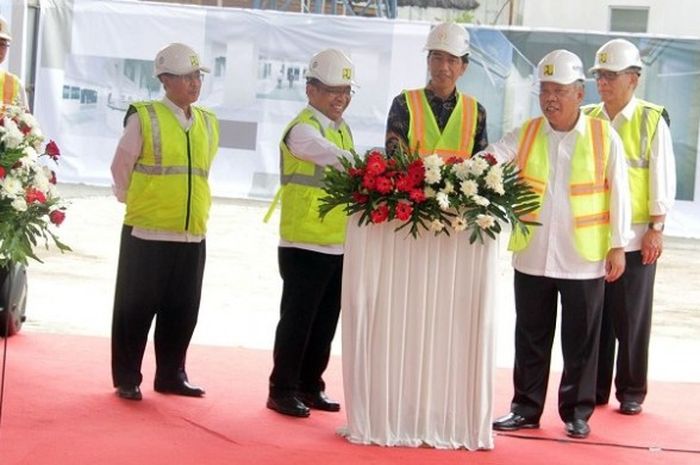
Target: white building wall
pixel 668 17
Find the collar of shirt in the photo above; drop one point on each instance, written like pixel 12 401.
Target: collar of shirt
pixel 325 121
pixel 580 126
pixel 626 113
pixel 432 98
pixel 179 113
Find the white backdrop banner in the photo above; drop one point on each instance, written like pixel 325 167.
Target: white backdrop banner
pixel 96 57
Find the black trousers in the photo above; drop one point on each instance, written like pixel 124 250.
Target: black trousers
pixel 626 317
pixel 161 279
pixel 536 317
pixel 308 318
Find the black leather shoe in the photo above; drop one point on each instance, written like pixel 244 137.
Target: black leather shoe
pixel 577 429
pixel 129 392
pixel 179 388
pixel 514 422
pixel 319 401
pixel 630 407
pixel 288 405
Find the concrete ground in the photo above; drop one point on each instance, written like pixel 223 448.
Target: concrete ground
pixel 72 293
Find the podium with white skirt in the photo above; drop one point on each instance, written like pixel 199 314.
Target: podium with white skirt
pixel 418 338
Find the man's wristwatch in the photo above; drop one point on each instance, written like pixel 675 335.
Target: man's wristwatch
pixel 656 226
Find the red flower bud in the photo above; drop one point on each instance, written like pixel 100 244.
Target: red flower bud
pixel 403 211
pixel 360 198
pixel 490 159
pixel 2 172
pixel 383 185
pixel 57 217
pixel 52 150
pixel 380 214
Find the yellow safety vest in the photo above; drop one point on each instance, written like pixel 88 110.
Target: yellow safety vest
pixel 424 135
pixel 169 189
pixel 588 188
pixel 9 83
pixel 637 135
pixel 301 189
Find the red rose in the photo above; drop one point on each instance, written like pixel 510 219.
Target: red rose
pixel 490 159
pixel 52 150
pixel 383 185
pixel 57 217
pixel 376 164
pixel 417 195
pixel 360 198
pixel 403 211
pixel 453 160
pixel 2 172
pixel 34 195
pixel 368 181
pixel 380 214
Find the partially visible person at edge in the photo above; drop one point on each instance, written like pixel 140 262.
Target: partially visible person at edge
pixel 10 85
pixel 438 118
pixel 310 249
pixel 160 170
pixel 645 133
pixel 576 164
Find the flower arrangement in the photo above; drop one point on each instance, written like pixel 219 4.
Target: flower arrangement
pixel 29 202
pixel 474 195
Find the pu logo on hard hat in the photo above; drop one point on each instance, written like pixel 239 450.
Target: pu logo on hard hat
pixel 347 73
pixel 549 70
pixel 194 61
pixel 603 57
pixel 442 37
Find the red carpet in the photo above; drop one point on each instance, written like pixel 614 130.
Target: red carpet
pixel 60 409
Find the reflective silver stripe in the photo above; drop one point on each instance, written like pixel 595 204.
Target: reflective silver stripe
pixel 644 136
pixel 638 163
pixel 169 170
pixel 155 131
pixel 210 130
pixel 314 180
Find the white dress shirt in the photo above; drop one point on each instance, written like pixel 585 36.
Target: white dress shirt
pixel 551 251
pixel 307 143
pixel 125 157
pixel 662 171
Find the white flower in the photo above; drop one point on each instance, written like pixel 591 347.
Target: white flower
pixel 28 119
pixel 448 189
pixel 429 192
pixel 479 200
pixel 19 204
pixel 433 162
pixel 443 200
pixel 436 225
pixel 478 166
pixel 485 221
pixel 494 179
pixel 11 187
pixel 30 154
pixel 469 187
pixel 433 175
pixel 13 136
pixel 459 223
pixel 462 169
pixel 41 181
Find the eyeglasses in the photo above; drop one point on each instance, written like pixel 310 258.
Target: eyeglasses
pixel 197 76
pixel 336 91
pixel 4 44
pixel 610 75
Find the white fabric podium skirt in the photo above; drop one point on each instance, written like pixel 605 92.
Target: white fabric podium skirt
pixel 418 338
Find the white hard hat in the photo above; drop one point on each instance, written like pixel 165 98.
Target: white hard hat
pixel 616 55
pixel 561 67
pixel 178 59
pixel 450 38
pixel 4 29
pixel 332 67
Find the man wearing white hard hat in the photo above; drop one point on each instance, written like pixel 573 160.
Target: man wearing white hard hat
pixel 10 85
pixel 160 170
pixel 643 128
pixel 310 250
pixel 576 165
pixel 438 118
